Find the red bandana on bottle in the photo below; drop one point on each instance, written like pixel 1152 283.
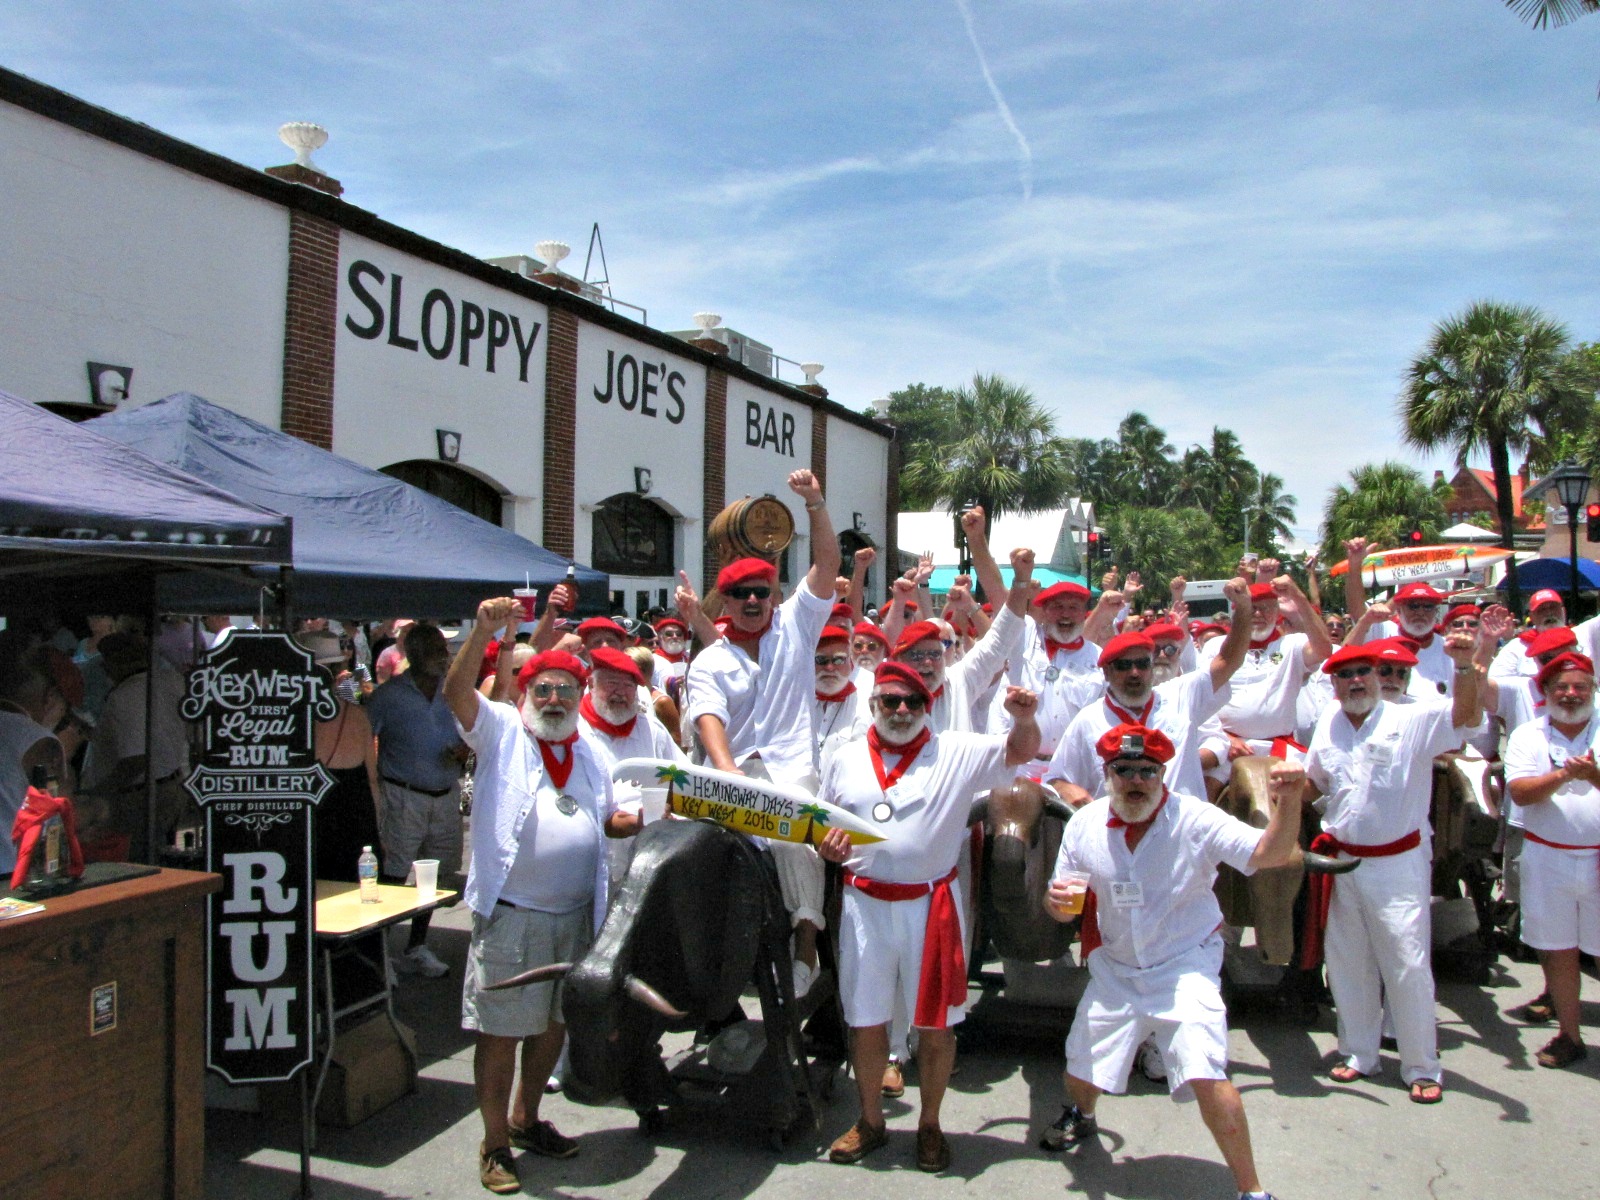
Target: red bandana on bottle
pixel 844 692
pixel 586 710
pixel 1051 646
pixel 908 753
pixel 557 769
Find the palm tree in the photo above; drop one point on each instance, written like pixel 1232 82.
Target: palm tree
pixel 1007 458
pixel 1148 472
pixel 1272 513
pixel 1483 378
pixel 1381 503
pixel 1543 13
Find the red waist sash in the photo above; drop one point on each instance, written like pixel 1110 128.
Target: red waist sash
pixel 943 981
pixel 1534 837
pixel 1319 888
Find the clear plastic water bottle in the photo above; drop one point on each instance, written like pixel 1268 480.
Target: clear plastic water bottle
pixel 367 873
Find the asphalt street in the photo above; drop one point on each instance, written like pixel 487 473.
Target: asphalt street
pixel 1506 1128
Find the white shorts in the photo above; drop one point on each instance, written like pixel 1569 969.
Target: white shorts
pixel 507 943
pixel 880 956
pixel 1178 1003
pixel 1560 898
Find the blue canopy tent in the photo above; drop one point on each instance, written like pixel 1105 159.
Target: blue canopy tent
pixel 1555 573
pixel 941 579
pixel 366 545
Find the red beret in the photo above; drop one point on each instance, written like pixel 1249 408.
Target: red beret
pixel 552 660
pixel 1570 661
pixel 666 623
pixel 1134 741
pixel 893 672
pixel 615 660
pixel 1401 651
pixel 1344 656
pixel 1061 589
pixel 1418 591
pixel 1197 627
pixel 1544 596
pixel 841 614
pixel 601 625
pixel 1163 631
pixel 1124 642
pixel 1262 591
pixel 917 631
pixel 1557 637
pixel 867 629
pixel 1460 610
pixel 832 633
pixel 746 570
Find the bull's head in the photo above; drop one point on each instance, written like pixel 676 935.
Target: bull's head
pixel 1020 857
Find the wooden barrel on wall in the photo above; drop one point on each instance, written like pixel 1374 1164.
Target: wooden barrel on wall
pixel 752 528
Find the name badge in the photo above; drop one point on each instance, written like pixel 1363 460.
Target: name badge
pixel 1380 755
pixel 1558 757
pixel 1127 895
pixel 905 798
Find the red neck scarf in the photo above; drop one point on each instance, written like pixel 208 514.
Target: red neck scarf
pixel 588 712
pixel 1125 717
pixel 559 770
pixel 843 693
pixel 1117 822
pixel 1053 647
pixel 678 657
pixel 1277 632
pixel 740 638
pixel 908 753
pixel 1422 642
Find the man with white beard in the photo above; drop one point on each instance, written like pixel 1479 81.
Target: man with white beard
pixel 900 936
pixel 1373 760
pixel 671 650
pixel 838 710
pixel 1055 656
pixel 1545 611
pixel 868 647
pixel 1553 780
pixel 1143 860
pixel 542 806
pixel 1179 706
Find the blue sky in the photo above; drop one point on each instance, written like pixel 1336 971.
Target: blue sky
pixel 1247 213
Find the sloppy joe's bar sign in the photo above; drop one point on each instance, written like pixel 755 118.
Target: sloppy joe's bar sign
pixel 257 699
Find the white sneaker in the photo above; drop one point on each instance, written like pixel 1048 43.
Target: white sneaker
pixel 1150 1063
pixel 804 977
pixel 419 960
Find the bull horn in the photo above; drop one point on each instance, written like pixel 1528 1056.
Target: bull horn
pixel 1058 808
pixel 979 812
pixel 537 975
pixel 1321 864
pixel 637 989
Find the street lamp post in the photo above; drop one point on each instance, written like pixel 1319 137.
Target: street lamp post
pixel 1571 483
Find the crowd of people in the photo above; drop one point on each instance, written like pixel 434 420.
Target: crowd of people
pixel 901 713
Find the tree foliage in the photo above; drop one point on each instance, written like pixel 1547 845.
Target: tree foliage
pixel 1382 502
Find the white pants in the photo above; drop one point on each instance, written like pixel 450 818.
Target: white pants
pixel 1378 950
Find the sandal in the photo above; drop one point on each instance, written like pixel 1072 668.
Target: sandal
pixel 1345 1073
pixel 1426 1091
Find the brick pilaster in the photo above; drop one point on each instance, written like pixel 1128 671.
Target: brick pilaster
pixel 819 449
pixel 716 464
pixel 560 432
pixel 311 310
pixel 891 517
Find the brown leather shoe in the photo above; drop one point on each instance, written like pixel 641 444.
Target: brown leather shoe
pixel 496 1170
pixel 857 1142
pixel 894 1083
pixel 1561 1051
pixel 933 1152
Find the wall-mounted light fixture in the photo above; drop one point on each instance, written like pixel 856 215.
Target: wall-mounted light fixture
pixel 858 522
pixel 108 385
pixel 449 445
pixel 641 480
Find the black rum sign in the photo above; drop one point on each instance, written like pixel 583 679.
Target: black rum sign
pixel 257 699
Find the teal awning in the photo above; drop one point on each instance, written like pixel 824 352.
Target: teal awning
pixel 943 577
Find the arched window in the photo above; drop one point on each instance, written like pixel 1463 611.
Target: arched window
pixel 632 536
pixel 451 483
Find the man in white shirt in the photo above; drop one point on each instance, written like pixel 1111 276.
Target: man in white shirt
pixel 839 710
pixel 1553 780
pixel 671 650
pixel 1178 707
pixel 1545 611
pixel 536 883
pixel 1373 761
pixel 1148 858
pixel 900 923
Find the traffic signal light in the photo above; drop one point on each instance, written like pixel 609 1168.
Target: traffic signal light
pixel 1105 546
pixel 1592 529
pixel 1092 545
pixel 1414 537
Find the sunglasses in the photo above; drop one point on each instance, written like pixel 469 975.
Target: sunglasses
pixel 892 701
pixel 748 593
pixel 865 646
pixel 543 691
pixel 923 656
pixel 1129 664
pixel 832 660
pixel 947 642
pixel 1124 771
pixel 1386 671
pixel 1352 672
pixel 1169 649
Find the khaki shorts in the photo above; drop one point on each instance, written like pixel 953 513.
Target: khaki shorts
pixel 413 825
pixel 509 942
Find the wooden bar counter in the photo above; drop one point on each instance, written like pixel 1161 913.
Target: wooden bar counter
pixel 118 1112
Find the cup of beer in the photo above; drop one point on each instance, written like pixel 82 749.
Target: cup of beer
pixel 527 597
pixel 1077 888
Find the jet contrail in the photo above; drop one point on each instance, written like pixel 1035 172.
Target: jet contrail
pixel 1000 103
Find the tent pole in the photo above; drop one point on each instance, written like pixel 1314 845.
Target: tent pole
pixel 150 856
pixel 285 600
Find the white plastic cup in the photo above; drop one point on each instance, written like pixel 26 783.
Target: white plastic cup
pixel 653 804
pixel 528 598
pixel 427 880
pixel 1077 889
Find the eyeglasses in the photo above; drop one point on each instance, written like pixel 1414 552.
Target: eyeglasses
pixel 832 660
pixel 865 646
pixel 543 691
pixel 1352 672
pixel 1125 771
pixel 1385 671
pixel 893 700
pixel 748 593
pixel 923 656
pixel 1169 649
pixel 947 642
pixel 1129 664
